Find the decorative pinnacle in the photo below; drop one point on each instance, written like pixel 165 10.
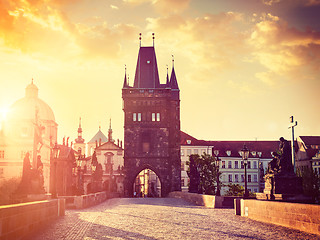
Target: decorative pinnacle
pixel 172 60
pixel 140 38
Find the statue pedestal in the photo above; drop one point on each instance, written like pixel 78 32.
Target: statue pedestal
pixel 283 187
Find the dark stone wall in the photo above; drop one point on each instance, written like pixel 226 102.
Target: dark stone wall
pixel 151 144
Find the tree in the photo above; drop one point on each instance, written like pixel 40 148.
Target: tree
pixel 234 190
pixel 310 183
pixel 207 170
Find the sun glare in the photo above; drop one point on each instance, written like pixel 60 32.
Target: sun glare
pixel 3 113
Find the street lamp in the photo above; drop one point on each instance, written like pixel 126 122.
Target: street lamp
pixel 218 175
pixel 55 151
pixel 245 154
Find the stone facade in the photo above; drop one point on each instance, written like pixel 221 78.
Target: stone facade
pixel 151 125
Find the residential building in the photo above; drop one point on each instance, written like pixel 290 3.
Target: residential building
pixel 230 164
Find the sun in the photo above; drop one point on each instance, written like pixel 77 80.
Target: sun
pixel 3 113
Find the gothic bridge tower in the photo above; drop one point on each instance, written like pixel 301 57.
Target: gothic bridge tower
pixel 151 125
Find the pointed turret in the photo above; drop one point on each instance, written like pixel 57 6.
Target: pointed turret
pixel 173 80
pixel 125 82
pixel 168 81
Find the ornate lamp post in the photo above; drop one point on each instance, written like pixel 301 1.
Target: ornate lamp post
pixel 245 154
pixel 55 151
pixel 218 176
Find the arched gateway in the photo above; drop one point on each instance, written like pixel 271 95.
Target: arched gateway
pixel 151 125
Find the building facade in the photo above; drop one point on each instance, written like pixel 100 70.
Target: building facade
pixel 230 164
pixel 151 125
pixel 308 152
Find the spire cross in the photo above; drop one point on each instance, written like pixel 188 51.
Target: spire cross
pixel 153 38
pixel 172 60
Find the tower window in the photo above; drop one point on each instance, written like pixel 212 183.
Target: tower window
pixel 134 118
pixel 139 117
pixel 155 117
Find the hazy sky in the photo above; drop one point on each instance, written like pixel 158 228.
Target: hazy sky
pixel 243 66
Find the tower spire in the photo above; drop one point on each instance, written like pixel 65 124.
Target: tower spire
pixel 79 139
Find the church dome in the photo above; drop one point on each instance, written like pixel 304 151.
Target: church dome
pixel 25 108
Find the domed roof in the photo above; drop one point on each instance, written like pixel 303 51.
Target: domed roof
pixel 25 108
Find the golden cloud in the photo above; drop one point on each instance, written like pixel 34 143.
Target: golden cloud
pixel 283 49
pixel 212 40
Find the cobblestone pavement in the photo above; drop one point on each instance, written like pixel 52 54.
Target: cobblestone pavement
pixel 160 218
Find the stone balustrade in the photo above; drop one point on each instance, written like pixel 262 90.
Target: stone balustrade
pixel 304 217
pixel 18 220
pixel 209 201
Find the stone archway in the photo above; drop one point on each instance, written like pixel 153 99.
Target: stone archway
pixel 147 184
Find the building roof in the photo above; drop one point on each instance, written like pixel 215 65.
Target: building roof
pixel 310 140
pixel 109 146
pixel 66 152
pixel 99 135
pixel 173 80
pixel 25 108
pixel 258 149
pixel 147 75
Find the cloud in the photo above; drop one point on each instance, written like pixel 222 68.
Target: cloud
pixel 165 7
pixel 114 7
pixel 285 50
pixel 38 26
pixel 212 41
pixel 270 2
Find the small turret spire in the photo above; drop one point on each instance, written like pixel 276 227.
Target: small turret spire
pixel 125 83
pixel 168 82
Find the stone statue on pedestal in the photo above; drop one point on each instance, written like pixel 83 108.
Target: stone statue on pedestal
pixel 281 182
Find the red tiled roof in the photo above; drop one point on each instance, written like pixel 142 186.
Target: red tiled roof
pixel 310 140
pixel 257 147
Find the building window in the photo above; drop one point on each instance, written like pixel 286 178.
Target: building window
pixel 2 154
pixel 203 151
pixel 182 152
pixel 223 164
pixel 182 182
pixel 230 177
pixel 229 164
pixel 249 164
pixel 242 178
pixel 255 190
pixel 209 151
pixel 242 165
pixel 249 178
pixel 188 152
pixel 216 152
pixel 236 178
pixel 195 151
pixel 255 165
pixel 255 178
pixel 236 164
pixel 182 166
pixel 228 153
pixel 139 117
pixel 153 117
pixel 158 117
pixel 134 117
